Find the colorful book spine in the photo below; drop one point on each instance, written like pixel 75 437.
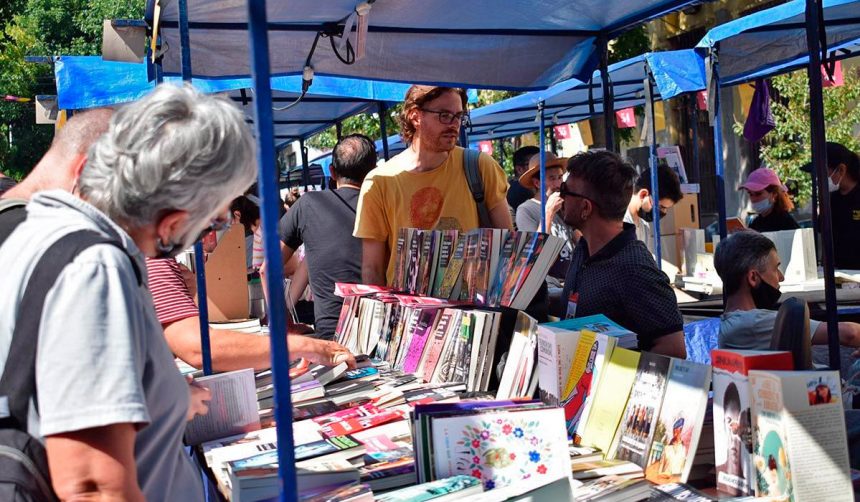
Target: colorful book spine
pixel 422 331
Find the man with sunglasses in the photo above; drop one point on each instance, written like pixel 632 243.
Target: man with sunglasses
pixel 640 209
pixel 425 186
pixel 611 271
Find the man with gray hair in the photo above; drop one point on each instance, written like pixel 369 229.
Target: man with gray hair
pixel 748 264
pixel 111 404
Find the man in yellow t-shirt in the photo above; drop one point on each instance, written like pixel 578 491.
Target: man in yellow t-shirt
pixel 424 186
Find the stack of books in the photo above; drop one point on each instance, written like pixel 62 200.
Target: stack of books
pixel 486 266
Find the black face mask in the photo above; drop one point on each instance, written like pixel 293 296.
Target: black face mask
pixel 765 296
pixel 646 215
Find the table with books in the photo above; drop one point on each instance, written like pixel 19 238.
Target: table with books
pixel 443 406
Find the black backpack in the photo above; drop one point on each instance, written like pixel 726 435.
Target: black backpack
pixel 24 475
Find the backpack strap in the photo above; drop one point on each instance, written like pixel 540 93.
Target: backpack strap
pixel 12 213
pixel 476 185
pixel 18 383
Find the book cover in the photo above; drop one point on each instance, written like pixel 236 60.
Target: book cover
pixel 413 261
pixel 447 248
pixel 530 259
pixel 232 409
pixel 523 339
pixel 423 328
pixel 682 415
pixel 591 353
pixel 640 416
pixel 610 399
pixel 459 485
pixel 399 273
pixel 454 270
pixel 800 447
pixel 470 264
pixel 448 318
pixel 424 261
pixel 538 268
pixel 502 448
pixel 517 266
pixel 500 273
pixel 601 324
pixel 732 421
pixel 482 274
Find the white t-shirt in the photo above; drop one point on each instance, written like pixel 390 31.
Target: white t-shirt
pixel 102 357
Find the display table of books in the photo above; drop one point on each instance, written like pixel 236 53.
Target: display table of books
pixel 442 404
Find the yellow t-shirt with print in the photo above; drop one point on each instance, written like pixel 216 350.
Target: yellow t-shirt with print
pixel 393 196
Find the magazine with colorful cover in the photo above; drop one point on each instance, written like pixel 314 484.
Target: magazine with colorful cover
pixel 676 436
pixel 800 447
pixel 633 440
pixel 453 272
pixel 591 354
pixel 502 448
pixel 732 421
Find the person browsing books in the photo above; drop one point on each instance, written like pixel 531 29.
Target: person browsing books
pixel 425 186
pixel 748 264
pixel 611 272
pixel 770 200
pixel 323 222
pixel 112 406
pixel 640 209
pixel 517 193
pixel 843 172
pixel 529 213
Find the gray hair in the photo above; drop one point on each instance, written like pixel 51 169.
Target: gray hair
pixel 738 254
pixel 175 149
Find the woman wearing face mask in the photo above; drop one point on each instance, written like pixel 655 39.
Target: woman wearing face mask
pixel 843 170
pixel 112 406
pixel 770 200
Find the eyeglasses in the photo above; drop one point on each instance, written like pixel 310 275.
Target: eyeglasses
pixel 448 118
pixel 221 222
pixel 564 192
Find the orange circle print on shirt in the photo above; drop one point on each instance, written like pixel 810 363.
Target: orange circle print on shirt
pixel 425 207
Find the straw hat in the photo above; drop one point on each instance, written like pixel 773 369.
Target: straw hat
pixel 534 167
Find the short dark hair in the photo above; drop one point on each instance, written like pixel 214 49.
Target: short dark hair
pixel 249 212
pixel 524 154
pixel 738 254
pixel 416 97
pixel 839 154
pixel 667 183
pixel 609 178
pixel 353 157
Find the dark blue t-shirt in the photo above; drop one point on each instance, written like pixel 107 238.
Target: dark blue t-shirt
pixel 323 222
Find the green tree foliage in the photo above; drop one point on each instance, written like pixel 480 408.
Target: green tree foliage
pixel 787 147
pixel 43 28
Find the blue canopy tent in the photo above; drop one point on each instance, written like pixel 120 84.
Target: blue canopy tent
pixel 772 42
pixel 468 44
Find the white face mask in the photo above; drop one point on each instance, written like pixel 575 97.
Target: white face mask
pixel 762 206
pixel 833 186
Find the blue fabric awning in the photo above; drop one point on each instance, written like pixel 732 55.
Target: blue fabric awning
pixel 478 43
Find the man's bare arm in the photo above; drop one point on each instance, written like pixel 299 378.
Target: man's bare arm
pixel 500 216
pixel 671 345
pixel 374 261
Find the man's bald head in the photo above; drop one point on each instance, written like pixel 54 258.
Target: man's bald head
pixel 61 165
pixel 82 130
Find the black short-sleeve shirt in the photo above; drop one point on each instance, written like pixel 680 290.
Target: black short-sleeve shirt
pixel 774 222
pixel 622 282
pixel 323 222
pixel 845 215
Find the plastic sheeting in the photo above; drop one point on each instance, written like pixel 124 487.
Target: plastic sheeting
pixel 677 72
pixel 478 43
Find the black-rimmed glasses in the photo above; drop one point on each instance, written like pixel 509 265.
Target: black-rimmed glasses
pixel 448 118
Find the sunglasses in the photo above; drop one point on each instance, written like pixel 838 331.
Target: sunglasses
pixel 565 192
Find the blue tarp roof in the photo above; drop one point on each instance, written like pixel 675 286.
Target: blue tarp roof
pixel 89 81
pixel 510 44
pixel 573 100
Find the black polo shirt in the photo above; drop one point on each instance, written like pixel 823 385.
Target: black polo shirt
pixel 623 283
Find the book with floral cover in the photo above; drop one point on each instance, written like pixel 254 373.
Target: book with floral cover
pixel 502 448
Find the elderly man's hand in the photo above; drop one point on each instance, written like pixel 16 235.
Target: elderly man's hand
pixel 199 402
pixel 320 351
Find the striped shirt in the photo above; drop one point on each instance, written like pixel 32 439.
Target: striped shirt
pixel 173 301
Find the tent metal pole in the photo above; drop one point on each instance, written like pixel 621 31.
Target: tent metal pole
pixel 306 169
pixel 338 127
pixel 199 259
pixel 694 138
pixel 383 128
pixel 608 94
pixel 719 163
pixel 652 157
pixel 542 141
pixel 814 35
pixel 269 197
